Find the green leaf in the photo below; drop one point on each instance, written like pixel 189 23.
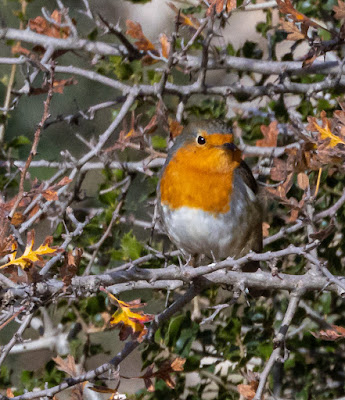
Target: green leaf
pixel 174 329
pixel 159 142
pixel 93 34
pixel 252 50
pixel 18 142
pixel 131 247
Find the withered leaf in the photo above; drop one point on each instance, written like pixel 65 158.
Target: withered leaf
pixel 303 180
pixel 102 389
pixel 248 391
pixel 265 229
pixel 164 373
pixel 31 256
pixel 67 365
pixel 135 31
pixel 188 20
pixel 175 128
pixel 71 265
pixel 286 7
pixel 322 234
pixel 42 26
pixel 151 126
pixel 337 332
pixel 221 5
pixel 270 135
pixel 292 30
pixel 165 45
pixel 339 10
pixel 129 322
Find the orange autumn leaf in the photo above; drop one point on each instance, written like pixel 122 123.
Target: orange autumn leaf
pixel 184 19
pixel 50 195
pixel 325 130
pixel 175 128
pixel 31 256
pixel 42 26
pixel 58 86
pixel 129 322
pixel 248 391
pixel 270 135
pixel 165 45
pixel 265 229
pixel 135 31
pixel 286 7
pixel 220 5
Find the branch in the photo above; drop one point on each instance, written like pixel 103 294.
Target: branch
pixel 70 43
pixel 183 300
pixel 33 150
pixel 17 336
pixel 278 342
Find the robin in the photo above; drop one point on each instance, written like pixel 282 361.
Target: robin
pixel 208 198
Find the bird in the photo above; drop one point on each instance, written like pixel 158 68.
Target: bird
pixel 208 199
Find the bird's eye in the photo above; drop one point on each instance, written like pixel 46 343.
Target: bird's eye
pixel 201 140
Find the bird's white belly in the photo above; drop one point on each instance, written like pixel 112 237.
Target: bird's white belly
pixel 198 232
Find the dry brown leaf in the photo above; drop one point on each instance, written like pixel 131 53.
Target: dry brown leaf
pixel 71 265
pixel 151 126
pixel 322 234
pixel 248 391
pixel 188 20
pixel 175 128
pixel 339 10
pixel 337 332
pixel 231 5
pixel 280 170
pixel 163 373
pixel 310 58
pixel 18 49
pixel 265 229
pixel 135 31
pixel 292 30
pixel 303 180
pixel 221 5
pixel 50 195
pixel 42 26
pixel 58 86
pixel 282 190
pixel 270 135
pixel 102 389
pixel 286 7
pixel 67 365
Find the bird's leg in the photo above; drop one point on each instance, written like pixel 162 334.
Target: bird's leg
pixel 196 314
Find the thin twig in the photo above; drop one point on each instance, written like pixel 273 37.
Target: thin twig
pixel 33 150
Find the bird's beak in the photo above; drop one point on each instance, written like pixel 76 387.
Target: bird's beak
pixel 229 146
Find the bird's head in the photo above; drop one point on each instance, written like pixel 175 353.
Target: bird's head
pixel 204 147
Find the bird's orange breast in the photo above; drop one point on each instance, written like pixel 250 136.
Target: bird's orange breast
pixel 199 178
